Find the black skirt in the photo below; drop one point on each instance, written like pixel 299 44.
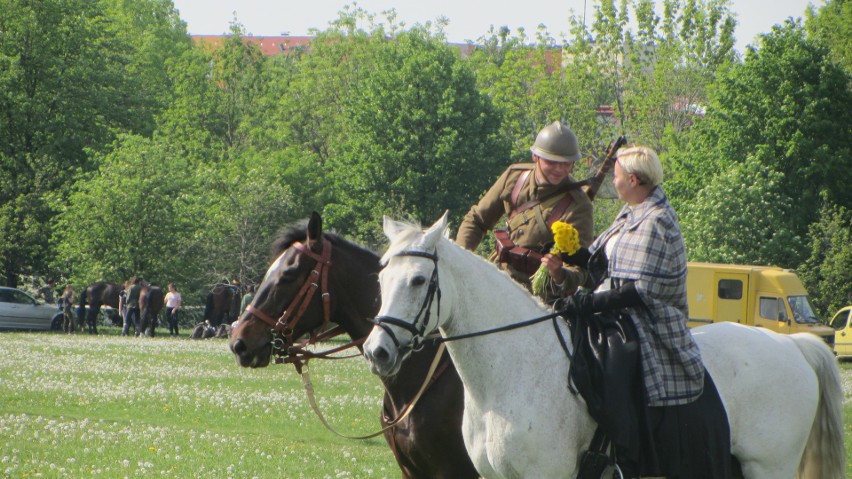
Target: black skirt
pixel 691 440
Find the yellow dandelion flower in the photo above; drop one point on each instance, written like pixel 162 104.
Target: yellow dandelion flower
pixel 566 240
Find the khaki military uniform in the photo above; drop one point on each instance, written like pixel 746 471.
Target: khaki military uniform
pixel 529 228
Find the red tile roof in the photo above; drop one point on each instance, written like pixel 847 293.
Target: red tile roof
pixel 268 45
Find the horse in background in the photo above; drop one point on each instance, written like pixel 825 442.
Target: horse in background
pixel 428 443
pixel 96 295
pixel 222 305
pixel 151 300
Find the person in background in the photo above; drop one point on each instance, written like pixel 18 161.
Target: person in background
pixel 47 292
pixel 173 301
pixel 533 196
pixel 247 299
pixel 131 304
pixel 69 320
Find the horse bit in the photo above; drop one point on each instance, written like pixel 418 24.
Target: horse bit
pixel 418 334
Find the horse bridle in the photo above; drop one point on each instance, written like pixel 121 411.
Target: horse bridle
pixel 418 332
pixel 284 327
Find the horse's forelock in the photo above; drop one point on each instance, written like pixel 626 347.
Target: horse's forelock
pixel 404 240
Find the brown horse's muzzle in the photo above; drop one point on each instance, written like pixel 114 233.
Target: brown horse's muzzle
pixel 253 349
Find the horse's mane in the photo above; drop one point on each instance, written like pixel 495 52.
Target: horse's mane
pixel 298 233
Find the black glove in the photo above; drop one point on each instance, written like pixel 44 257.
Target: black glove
pixel 578 304
pixel 580 258
pixel 583 303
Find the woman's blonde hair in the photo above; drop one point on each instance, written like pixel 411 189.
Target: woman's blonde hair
pixel 642 162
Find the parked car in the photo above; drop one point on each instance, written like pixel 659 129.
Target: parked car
pixel 19 310
pixel 842 331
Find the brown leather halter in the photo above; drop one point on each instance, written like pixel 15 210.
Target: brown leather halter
pixel 286 324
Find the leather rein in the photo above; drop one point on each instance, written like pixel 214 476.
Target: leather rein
pixel 284 347
pixel 283 329
pixel 418 328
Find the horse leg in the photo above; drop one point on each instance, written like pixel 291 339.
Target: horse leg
pixel 93 322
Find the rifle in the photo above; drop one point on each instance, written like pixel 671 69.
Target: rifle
pixel 596 180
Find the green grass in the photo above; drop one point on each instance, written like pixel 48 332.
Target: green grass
pixel 107 406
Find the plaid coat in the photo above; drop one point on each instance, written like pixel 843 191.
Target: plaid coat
pixel 648 249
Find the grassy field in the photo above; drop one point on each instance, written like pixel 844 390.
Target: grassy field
pixel 106 406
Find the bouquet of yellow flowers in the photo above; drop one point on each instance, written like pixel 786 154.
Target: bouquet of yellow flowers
pixel 566 239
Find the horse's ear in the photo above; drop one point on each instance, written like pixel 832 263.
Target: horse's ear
pixel 437 230
pixel 392 228
pixel 314 229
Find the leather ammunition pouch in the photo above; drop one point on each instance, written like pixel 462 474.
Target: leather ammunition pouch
pixel 522 259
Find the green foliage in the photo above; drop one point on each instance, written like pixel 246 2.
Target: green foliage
pixel 743 216
pixel 789 99
pixel 788 107
pixel 72 74
pixel 421 138
pixel 827 272
pixel 832 25
pixel 130 217
pixel 654 69
pixel 243 205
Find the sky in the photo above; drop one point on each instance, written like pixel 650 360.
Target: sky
pixel 468 19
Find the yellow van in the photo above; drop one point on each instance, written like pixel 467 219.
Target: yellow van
pixel 763 296
pixel 842 331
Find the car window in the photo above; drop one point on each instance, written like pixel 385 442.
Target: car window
pixel 769 308
pixel 803 313
pixel 839 321
pixel 19 297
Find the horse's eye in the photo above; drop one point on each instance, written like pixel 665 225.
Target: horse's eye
pixel 289 276
pixel 418 281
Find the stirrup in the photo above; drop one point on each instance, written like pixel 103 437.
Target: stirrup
pixel 616 472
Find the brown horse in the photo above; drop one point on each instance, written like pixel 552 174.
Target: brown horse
pixel 222 305
pixel 96 295
pixel 428 443
pixel 151 300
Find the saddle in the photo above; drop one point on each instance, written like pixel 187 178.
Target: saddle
pixel 605 371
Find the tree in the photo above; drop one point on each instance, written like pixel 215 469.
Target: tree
pixel 69 80
pixel 243 206
pixel 789 107
pixel 743 217
pixel 130 217
pixel 421 140
pixel 826 271
pixel 832 25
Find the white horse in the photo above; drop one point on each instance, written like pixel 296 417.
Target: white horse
pixel 782 393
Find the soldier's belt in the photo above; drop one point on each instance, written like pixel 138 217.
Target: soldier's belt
pixel 522 259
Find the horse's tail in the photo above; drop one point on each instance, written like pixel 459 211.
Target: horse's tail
pixel 824 455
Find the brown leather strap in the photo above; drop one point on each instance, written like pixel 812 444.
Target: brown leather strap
pixel 559 209
pixel 516 191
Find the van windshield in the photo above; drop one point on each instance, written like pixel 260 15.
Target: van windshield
pixel 802 310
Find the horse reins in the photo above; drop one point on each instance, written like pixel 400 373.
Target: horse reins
pixel 299 357
pixel 418 334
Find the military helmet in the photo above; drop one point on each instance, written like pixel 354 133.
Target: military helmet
pixel 555 142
